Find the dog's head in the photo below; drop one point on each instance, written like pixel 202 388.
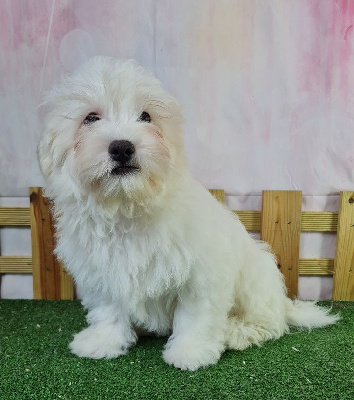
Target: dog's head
pixel 112 131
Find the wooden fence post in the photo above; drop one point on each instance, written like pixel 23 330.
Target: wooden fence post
pixel 343 278
pixel 50 280
pixel 281 224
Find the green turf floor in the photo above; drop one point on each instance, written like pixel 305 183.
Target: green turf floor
pixel 35 363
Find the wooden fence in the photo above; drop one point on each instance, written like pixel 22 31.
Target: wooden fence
pixel 280 223
pixel 50 280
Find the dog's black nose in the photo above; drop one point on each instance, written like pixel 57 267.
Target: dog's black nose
pixel 121 150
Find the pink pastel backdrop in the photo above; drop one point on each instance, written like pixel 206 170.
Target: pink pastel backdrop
pixel 267 88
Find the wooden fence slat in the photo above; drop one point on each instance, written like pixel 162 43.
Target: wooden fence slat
pixel 46 284
pixel 250 219
pixel 219 194
pixel 311 221
pixel 316 266
pixel 15 216
pixel 343 279
pixel 15 264
pixel 319 221
pixel 49 279
pixel 281 221
pixel 67 285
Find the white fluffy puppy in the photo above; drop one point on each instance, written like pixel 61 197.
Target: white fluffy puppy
pixel 149 247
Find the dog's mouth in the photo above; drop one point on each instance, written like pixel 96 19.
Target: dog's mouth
pixel 124 170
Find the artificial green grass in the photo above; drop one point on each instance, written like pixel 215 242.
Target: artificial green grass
pixel 35 362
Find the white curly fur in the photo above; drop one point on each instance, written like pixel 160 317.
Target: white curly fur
pixel 152 250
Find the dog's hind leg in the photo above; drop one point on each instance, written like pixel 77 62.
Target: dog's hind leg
pixel 242 334
pixel 259 313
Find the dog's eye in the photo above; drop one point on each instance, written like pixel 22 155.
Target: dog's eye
pixel 92 117
pixel 144 117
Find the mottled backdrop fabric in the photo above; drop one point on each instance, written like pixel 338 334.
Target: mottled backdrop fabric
pixel 266 87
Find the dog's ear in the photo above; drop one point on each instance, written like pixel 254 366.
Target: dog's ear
pixel 44 156
pixel 57 134
pixel 43 149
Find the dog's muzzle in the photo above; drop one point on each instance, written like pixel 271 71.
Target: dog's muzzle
pixel 122 152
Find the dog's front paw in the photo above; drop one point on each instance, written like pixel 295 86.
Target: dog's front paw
pixel 94 342
pixel 191 354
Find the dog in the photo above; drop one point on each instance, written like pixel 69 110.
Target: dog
pixel 148 247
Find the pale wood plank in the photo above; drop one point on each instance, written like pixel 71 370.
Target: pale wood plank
pixel 281 221
pixel 15 264
pixel 15 216
pixel 250 219
pixel 319 221
pixel 343 279
pixel 316 266
pixel 219 194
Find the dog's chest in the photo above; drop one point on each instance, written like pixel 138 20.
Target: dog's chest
pixel 125 261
